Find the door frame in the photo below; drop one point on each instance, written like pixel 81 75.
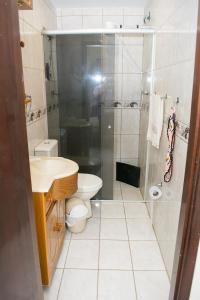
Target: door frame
pixel 189 222
pixel 19 261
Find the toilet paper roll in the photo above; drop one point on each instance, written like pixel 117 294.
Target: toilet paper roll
pixel 155 193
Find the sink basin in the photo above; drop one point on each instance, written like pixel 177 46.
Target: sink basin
pixel 44 170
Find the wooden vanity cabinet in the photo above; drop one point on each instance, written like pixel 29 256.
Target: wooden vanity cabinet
pixel 50 223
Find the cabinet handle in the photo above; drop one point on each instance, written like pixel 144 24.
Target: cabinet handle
pixel 58 227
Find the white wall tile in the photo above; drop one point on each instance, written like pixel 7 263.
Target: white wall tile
pixel 129 146
pixel 173 74
pixel 133 21
pixel 72 22
pixel 59 23
pixel 129 39
pixel 92 22
pixel 130 121
pixel 113 11
pixel 131 87
pixel 132 59
pixel 117 20
pixel 34 86
pixel 117 120
pixel 92 11
pixel 118 59
pixel 130 161
pixel 31 24
pixel 59 12
pixel 36 133
pixel 118 87
pixel 117 145
pixel 133 11
pixel 71 11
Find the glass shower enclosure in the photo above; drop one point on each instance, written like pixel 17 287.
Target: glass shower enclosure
pixel 79 73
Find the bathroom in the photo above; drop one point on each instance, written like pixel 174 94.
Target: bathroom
pixel 109 130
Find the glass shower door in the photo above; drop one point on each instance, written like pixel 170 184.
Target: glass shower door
pixel 86 114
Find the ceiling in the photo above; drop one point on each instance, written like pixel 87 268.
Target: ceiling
pixel 98 3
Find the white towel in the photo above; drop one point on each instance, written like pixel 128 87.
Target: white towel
pixel 156 111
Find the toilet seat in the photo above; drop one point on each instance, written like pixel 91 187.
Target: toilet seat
pixel 88 182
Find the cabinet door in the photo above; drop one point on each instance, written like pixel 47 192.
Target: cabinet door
pixel 52 236
pixel 61 221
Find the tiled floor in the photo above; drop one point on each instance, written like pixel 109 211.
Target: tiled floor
pixel 125 192
pixel 116 258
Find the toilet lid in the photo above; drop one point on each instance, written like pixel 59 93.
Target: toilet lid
pixel 88 182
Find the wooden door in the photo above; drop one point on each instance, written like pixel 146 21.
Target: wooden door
pixel 19 263
pixel 189 221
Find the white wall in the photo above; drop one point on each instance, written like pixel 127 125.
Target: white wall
pixel 195 291
pixel 128 85
pixel 176 22
pixel 77 18
pixel 31 24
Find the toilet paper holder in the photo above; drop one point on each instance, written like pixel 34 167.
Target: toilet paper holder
pixel 155 192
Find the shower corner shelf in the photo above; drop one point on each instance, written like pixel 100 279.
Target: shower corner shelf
pixel 100 31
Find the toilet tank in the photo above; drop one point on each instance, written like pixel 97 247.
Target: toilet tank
pixel 47 148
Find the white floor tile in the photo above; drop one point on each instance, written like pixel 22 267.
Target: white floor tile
pixel 114 255
pixel 116 285
pixel 115 210
pixel 68 235
pixel 131 193
pixel 83 254
pixel 140 230
pixel 51 293
pixel 146 256
pixel 135 210
pixel 63 255
pixel 128 186
pixel 96 209
pixel 113 229
pixel 152 285
pixel 78 285
pixel 91 231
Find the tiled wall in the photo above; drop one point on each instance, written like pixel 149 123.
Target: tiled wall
pixel 128 85
pixel 144 111
pixel 176 22
pixel 77 18
pixel 32 22
pixel 128 70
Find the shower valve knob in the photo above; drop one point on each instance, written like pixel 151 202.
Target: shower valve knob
pixel 109 126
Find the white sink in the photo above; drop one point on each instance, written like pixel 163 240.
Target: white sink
pixel 44 170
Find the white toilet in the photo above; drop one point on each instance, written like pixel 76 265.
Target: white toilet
pixel 88 184
pixel 88 187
